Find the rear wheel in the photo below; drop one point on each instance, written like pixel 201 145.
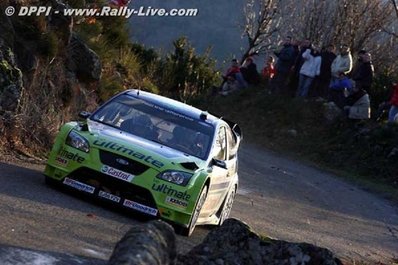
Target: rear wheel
pixel 227 207
pixel 195 215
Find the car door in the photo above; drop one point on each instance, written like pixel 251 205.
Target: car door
pixel 219 176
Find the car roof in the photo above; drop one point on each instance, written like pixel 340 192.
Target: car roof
pixel 173 105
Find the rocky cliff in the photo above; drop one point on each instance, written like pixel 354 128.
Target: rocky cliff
pixel 44 68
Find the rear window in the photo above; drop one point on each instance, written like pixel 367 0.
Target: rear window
pixel 158 124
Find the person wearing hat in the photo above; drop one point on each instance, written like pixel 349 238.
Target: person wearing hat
pixel 363 75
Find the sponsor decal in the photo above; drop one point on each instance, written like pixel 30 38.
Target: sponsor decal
pixel 109 196
pixel 124 150
pixel 79 186
pixel 140 207
pixel 116 173
pixel 168 190
pixel 177 202
pixel 71 156
pixel 61 161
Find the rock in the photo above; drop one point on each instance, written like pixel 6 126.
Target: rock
pixel 292 133
pixel 83 61
pixel 331 112
pixel 235 243
pixel 9 98
pixel 63 25
pixel 7 33
pixel 393 153
pixel 10 80
pixel 152 243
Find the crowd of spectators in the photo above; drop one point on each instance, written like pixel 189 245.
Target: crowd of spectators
pixel 301 69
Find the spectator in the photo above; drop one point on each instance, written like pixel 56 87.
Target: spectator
pixel 310 68
pixel 269 69
pixel 339 88
pixel 392 114
pixel 235 73
pixel 363 76
pixel 249 72
pixel 299 60
pixel 357 104
pixel 342 64
pixel 299 49
pixel 284 64
pixel 230 85
pixel 323 81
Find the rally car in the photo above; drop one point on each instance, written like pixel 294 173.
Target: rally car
pixel 151 154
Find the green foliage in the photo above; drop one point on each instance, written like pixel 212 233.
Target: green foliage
pixel 147 57
pixel 184 74
pixel 381 88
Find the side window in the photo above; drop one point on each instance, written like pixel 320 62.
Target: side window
pixel 231 144
pixel 221 145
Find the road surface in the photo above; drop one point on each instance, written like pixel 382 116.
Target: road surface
pixel 278 197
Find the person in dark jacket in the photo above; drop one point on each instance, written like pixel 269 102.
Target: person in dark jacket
pixel 284 64
pixel 363 75
pixel 323 81
pixel 249 71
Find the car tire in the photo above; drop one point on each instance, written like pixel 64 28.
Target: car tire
pixel 187 231
pixel 227 206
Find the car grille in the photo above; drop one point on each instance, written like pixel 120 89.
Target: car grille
pixel 127 165
pixel 113 185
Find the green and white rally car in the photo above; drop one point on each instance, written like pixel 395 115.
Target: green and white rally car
pixel 153 155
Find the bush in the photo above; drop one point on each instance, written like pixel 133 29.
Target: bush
pixel 183 74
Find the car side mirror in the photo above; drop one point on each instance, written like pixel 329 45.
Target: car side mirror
pixel 219 163
pixel 84 114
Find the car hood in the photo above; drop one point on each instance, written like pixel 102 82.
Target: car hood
pixel 108 138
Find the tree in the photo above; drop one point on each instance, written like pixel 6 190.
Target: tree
pixel 261 24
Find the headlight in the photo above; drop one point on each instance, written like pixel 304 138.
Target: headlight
pixel 176 177
pixel 77 141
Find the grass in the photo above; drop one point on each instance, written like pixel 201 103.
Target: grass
pixel 357 152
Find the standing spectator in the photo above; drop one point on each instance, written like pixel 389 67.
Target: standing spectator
pixel 284 64
pixel 249 72
pixel 392 114
pixel 310 68
pixel 269 69
pixel 299 48
pixel 327 55
pixel 363 76
pixel 342 64
pixel 299 61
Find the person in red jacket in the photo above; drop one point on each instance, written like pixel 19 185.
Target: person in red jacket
pixel 269 69
pixel 392 114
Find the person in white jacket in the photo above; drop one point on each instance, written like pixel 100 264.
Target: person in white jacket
pixel 342 64
pixel 310 68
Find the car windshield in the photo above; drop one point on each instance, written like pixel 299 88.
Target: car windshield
pixel 158 124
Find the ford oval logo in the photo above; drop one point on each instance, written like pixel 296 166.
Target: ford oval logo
pixel 122 162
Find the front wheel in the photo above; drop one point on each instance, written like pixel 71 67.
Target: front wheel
pixel 227 207
pixel 195 215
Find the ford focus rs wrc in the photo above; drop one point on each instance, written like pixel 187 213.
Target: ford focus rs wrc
pixel 153 155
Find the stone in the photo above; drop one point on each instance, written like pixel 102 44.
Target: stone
pixel 83 61
pixel 152 243
pixel 331 112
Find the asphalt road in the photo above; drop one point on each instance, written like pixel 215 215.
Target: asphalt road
pixel 278 197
